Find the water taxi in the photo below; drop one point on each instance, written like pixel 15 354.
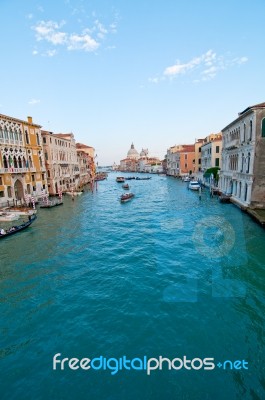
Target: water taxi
pixel 126 197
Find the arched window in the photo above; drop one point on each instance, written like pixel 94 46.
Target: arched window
pixel 248 163
pixel 11 136
pixel 246 192
pixel 242 163
pixel 19 162
pixel 240 187
pixel 263 128
pixel 16 135
pixel 15 162
pixel 1 135
pixel 30 162
pixel 27 137
pixel 6 135
pixel 244 133
pixel 40 160
pixel 250 130
pixel 5 162
pixel 38 139
pixel 24 162
pixel 20 136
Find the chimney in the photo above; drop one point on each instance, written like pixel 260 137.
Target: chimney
pixel 30 120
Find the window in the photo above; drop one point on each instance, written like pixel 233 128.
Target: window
pixel 27 137
pixel 43 177
pixel 1 180
pixel 246 192
pixel 33 178
pixel 263 128
pixel 199 161
pixel 9 191
pixel 186 156
pixel 200 149
pixel 38 139
pixel 186 165
pixel 46 156
pixel 248 163
pixel 217 162
pixel 217 149
pixel 2 194
pixel 244 134
pixel 44 140
pixel 250 130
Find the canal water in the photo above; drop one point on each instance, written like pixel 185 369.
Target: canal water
pixel 166 274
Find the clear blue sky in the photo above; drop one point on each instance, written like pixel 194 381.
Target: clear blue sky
pixel 155 72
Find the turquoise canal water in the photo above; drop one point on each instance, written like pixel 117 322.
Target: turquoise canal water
pixel 166 274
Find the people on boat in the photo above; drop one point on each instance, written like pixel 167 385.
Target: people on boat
pixel 2 231
pixel 12 229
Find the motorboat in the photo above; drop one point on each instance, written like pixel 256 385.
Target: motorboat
pixel 194 185
pixel 126 186
pixel 74 193
pixel 126 197
pixel 8 216
pixel 186 179
pixel 120 179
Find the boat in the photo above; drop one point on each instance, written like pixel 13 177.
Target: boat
pixel 18 228
pixel 75 193
pixel 143 179
pixel 101 176
pixel 225 198
pixel 130 178
pixel 126 197
pixel 50 203
pixel 194 185
pixel 8 216
pixel 126 186
pixel 120 179
pixel 186 179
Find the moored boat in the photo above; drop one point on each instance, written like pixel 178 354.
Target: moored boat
pixel 75 193
pixel 126 197
pixel 194 185
pixel 51 203
pixel 8 216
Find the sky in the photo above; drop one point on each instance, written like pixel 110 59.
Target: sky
pixel 152 72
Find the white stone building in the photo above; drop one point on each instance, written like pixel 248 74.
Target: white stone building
pixel 243 158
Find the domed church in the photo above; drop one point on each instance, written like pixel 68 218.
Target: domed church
pixel 133 153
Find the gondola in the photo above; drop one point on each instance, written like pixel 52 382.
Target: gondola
pixel 18 228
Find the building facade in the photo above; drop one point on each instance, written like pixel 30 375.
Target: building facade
pixel 63 173
pixel 22 167
pixel 243 158
pixel 211 152
pixel 181 160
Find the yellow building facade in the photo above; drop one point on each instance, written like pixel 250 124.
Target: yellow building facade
pixel 22 167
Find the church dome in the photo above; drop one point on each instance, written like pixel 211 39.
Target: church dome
pixel 133 153
pixel 144 153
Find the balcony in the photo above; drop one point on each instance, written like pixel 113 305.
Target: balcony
pixel 233 144
pixel 13 170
